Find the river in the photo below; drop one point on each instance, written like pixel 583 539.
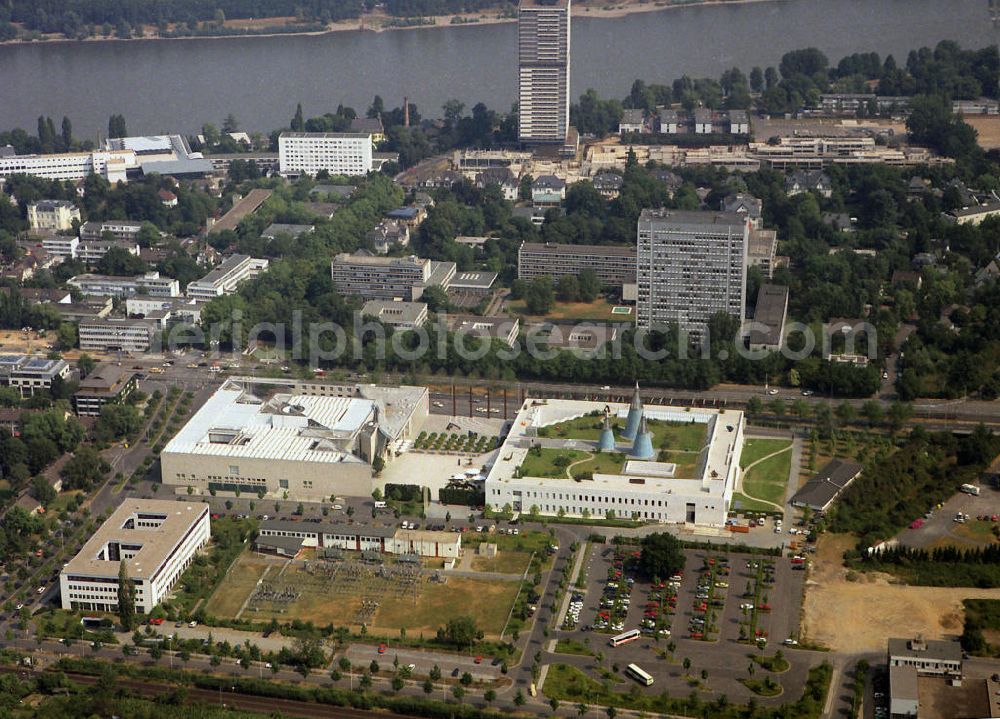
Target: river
pixel 176 85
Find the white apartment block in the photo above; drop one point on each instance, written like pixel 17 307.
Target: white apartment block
pixel 339 153
pixel 149 283
pixel 52 215
pixel 543 39
pixel 690 266
pixel 61 246
pixel 156 539
pixel 123 230
pixel 112 165
pixel 104 335
pixel 227 277
pixel 182 309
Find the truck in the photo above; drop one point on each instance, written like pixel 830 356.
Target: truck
pixel 739 528
pixel 970 489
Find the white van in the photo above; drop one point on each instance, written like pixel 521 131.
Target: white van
pixel 380 505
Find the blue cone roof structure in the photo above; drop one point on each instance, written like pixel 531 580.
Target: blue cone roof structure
pixel 643 446
pixel 634 415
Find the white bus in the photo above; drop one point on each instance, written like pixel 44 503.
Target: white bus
pixel 970 489
pixel 637 673
pixel 625 637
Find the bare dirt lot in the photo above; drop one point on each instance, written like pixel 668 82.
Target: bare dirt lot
pixel 988 127
pixel 876 609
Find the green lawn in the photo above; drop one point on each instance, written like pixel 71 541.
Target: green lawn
pixel 769 479
pixel 684 436
pixel 546 462
pixel 749 505
pixel 687 463
pixel 602 463
pixel 754 449
pixel 572 646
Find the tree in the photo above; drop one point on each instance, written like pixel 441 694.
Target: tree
pixel 428 686
pixel 116 126
pixel 686 663
pixel 460 631
pixel 126 598
pixel 661 555
pixel 590 285
pixel 756 79
pixel 519 698
pixel 435 673
pixel 67 133
pixel 42 490
pixel 298 122
pixel 539 297
pixel 85 364
pixel 568 289
pixel 230 124
pixel 458 692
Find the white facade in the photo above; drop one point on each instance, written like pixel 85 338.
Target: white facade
pixel 30 374
pixel 227 277
pixel 91 251
pixel 157 539
pixel 179 308
pixel 644 490
pixel 61 246
pixel 123 230
pixel 111 165
pixel 543 36
pixel 52 215
pixel 339 153
pixel 690 266
pixel 126 335
pixel 149 284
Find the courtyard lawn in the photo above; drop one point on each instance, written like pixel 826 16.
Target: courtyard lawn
pixel 597 310
pixel 768 479
pixel 683 436
pixel 229 596
pixel 547 462
pixel 687 463
pixel 602 463
pixel 754 449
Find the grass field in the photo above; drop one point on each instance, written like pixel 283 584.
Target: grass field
pixel 769 479
pixel 545 463
pixel 750 505
pixel 503 563
pixel 602 463
pixel 755 449
pixel 420 611
pixel 229 596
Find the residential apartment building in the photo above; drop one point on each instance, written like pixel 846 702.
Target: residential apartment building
pixel 613 264
pixel 121 230
pixel 543 38
pixel 388 278
pixel 61 246
pixel 690 266
pixel 224 279
pixel 149 283
pixel 108 335
pixel 30 374
pixel 157 540
pixel 182 309
pixel 106 384
pixel 91 251
pixel 339 153
pixel 56 215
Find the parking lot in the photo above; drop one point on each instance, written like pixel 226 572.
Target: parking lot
pixel 941 528
pixel 698 614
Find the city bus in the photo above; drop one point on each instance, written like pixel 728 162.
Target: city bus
pixel 625 637
pixel 637 673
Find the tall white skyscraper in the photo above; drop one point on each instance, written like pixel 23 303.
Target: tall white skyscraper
pixel 543 45
pixel 690 266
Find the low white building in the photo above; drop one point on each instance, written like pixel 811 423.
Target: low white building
pixel 57 215
pixel 106 335
pixel 285 537
pixel 149 283
pixel 927 656
pixel 156 539
pixel 227 277
pixel 63 246
pixel 645 487
pixel 29 374
pixel 112 165
pixel 92 251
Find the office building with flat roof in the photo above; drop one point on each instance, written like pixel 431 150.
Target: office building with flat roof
pixel 149 283
pixel 543 48
pixel 613 264
pixel 30 374
pixel 690 266
pixel 388 278
pixel 156 539
pixel 288 538
pixel 92 251
pixel 927 656
pixel 307 441
pixel 647 484
pixel 339 153
pixel 109 335
pixel 122 230
pixel 106 384
pixel 767 331
pixel 227 277
pixel 112 165
pixel 401 315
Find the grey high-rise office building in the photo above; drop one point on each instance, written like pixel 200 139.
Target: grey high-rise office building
pixel 690 266
pixel 543 42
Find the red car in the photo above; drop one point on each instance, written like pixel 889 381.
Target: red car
pixel 382 648
pixel 157 621
pixel 479 660
pixel 697 635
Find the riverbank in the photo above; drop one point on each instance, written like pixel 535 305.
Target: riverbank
pixel 380 22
